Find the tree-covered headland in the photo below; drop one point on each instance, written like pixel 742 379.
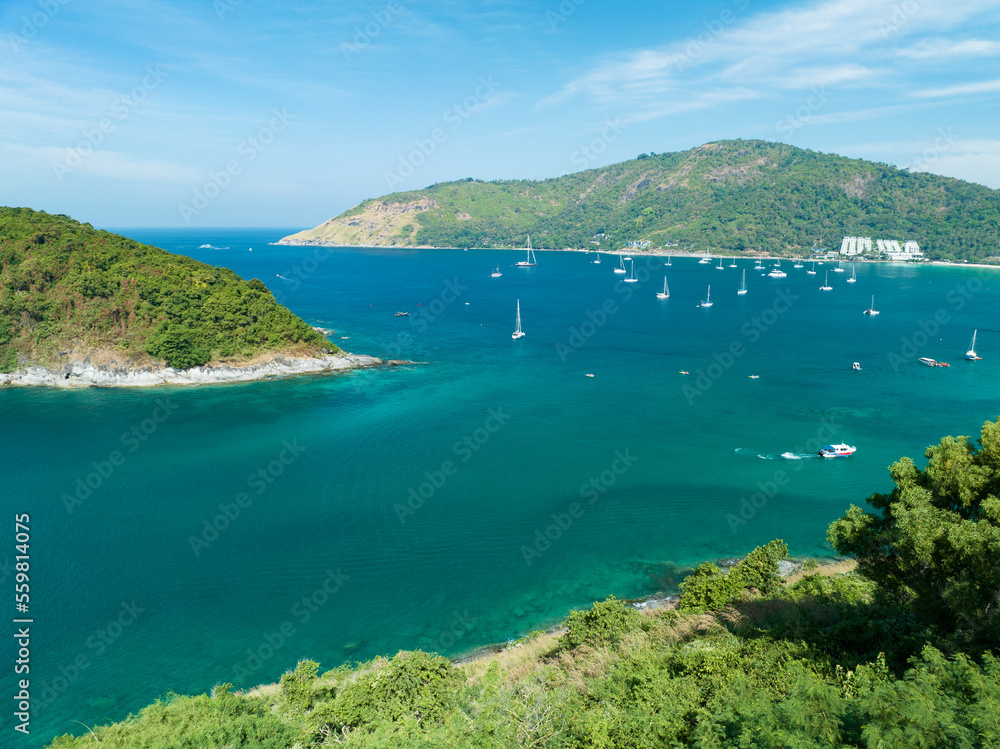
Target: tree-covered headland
pixel 68 290
pixel 899 652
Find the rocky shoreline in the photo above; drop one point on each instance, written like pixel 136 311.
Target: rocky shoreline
pixel 79 374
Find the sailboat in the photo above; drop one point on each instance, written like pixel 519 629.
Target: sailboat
pixel 708 298
pixel 621 265
pixel 871 310
pixel 854 275
pixel 719 266
pixel 705 260
pixel 813 271
pixel 665 294
pixel 971 353
pixel 598 261
pixel 826 284
pixel 529 262
pixel 733 264
pixel 798 264
pixel 496 272
pixel 743 288
pixel 838 269
pixel 669 260
pixel 518 333
pixel 631 276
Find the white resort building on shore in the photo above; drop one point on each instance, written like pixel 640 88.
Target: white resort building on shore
pixel 888 248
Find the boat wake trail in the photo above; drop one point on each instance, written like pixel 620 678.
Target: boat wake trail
pixel 774 456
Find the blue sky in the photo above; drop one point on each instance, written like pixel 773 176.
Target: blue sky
pixel 245 113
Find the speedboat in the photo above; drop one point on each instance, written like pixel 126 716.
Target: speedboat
pixel 857 366
pixel 836 451
pixel 401 314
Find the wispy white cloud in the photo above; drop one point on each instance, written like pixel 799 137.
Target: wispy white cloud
pixel 959 89
pixel 943 48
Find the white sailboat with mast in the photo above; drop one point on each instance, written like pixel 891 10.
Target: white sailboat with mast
pixel 665 294
pixel 826 283
pixel 518 333
pixel 528 262
pixel 743 286
pixel 621 264
pixel 971 354
pixel 708 298
pixel 631 276
pixel 854 275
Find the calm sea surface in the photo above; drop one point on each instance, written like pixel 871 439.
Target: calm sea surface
pixel 481 494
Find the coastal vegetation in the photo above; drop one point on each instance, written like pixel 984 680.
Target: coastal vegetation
pixel 900 650
pixel 730 196
pixel 69 290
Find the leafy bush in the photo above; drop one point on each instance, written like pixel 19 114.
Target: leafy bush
pixel 605 623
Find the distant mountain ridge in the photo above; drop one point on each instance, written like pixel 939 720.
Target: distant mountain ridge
pixel 732 196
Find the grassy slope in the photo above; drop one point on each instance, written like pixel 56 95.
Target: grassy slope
pixel 732 195
pixel 65 287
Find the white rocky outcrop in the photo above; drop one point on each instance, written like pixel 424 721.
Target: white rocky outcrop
pixel 85 374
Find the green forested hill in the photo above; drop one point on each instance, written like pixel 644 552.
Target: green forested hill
pixel 68 288
pixel 729 195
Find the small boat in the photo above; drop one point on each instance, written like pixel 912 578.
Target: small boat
pixel 798 264
pixel 838 269
pixel 754 377
pixel 836 451
pixel 857 366
pixel 708 298
pixel 733 264
pixel 627 257
pixel 589 374
pixel 826 284
pixel 759 265
pixel 665 294
pixel 598 261
pixel 813 271
pixel 251 249
pixel 529 261
pixel 854 275
pixel 517 331
pixel 871 310
pixel 776 272
pixel 401 314
pixel 719 266
pixel 928 361
pixel 743 288
pixel 684 371
pixel 496 272
pixel 621 265
pixel 971 354
pixel 705 260
pixel 630 278
pixel 669 261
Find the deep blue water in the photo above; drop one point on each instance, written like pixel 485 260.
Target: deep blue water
pixel 634 474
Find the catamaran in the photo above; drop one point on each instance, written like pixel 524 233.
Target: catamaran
pixel 708 298
pixel 529 262
pixel 496 272
pixel 776 271
pixel 665 294
pixel 631 276
pixel 621 265
pixel 854 275
pixel 743 288
pixel 971 354
pixel 826 283
pixel 813 271
pixel 871 310
pixel 518 332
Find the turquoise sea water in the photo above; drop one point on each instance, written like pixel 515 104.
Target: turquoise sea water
pixel 505 451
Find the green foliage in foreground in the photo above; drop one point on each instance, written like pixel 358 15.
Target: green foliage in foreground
pixel 750 661
pixel 65 286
